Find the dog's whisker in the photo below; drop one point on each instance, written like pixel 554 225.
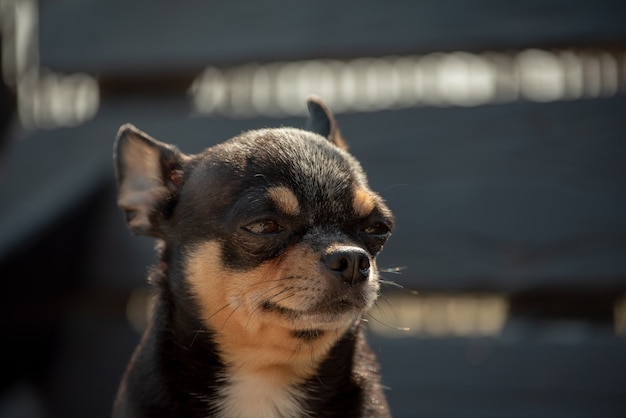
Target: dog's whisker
pixel 322 384
pixel 312 352
pixel 256 301
pixel 295 351
pixel 258 306
pixel 196 334
pixel 259 297
pixel 230 315
pixel 278 301
pixel 388 303
pixel 280 279
pixel 218 311
pixel 390 307
pixel 398 286
pixel 397 328
pixel 393 270
pixel 390 283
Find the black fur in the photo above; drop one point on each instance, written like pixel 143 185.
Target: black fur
pixel 347 383
pixel 175 358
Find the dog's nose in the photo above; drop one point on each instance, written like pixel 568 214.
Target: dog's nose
pixel 351 264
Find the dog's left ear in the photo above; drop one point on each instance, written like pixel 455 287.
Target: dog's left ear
pixel 149 175
pixel 322 121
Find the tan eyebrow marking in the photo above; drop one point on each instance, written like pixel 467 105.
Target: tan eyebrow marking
pixel 285 200
pixel 363 202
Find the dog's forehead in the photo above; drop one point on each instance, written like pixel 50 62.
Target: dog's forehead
pixel 296 171
pixel 317 172
pixel 305 163
pixel 295 154
pixel 299 179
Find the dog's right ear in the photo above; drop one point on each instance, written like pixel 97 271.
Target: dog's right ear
pixel 149 176
pixel 322 121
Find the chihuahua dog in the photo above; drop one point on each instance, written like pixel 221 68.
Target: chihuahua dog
pixel 267 264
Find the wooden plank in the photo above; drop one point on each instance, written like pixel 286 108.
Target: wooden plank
pixel 112 37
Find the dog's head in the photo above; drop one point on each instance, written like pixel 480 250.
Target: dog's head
pixel 274 233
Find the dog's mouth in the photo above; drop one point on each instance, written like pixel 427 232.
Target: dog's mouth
pixel 328 311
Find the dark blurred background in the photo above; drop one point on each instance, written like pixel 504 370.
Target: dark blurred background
pixel 495 130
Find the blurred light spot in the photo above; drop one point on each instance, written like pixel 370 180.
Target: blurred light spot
pixel 18 21
pixel 610 74
pixel 209 91
pixel 45 99
pixel 592 74
pixel 620 316
pixel 572 75
pixel 466 79
pixel 50 100
pixel 438 79
pixel 541 76
pixel 139 307
pixel 473 315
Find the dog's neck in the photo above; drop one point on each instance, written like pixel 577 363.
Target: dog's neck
pixel 208 384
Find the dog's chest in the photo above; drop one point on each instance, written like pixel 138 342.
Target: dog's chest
pixel 256 396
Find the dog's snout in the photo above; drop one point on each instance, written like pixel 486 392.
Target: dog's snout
pixel 351 264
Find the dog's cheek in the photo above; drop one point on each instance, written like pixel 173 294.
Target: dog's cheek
pixel 208 280
pixel 229 303
pixel 226 297
pixel 299 278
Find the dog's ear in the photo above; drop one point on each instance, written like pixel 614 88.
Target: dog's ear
pixel 322 121
pixel 149 174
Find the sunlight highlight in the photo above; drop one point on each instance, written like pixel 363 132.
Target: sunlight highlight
pixel 45 99
pixel 398 315
pixel 395 82
pixel 620 316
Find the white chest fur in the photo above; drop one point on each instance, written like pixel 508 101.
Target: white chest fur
pixel 255 396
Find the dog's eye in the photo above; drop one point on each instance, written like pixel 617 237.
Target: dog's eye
pixel 378 229
pixel 266 226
